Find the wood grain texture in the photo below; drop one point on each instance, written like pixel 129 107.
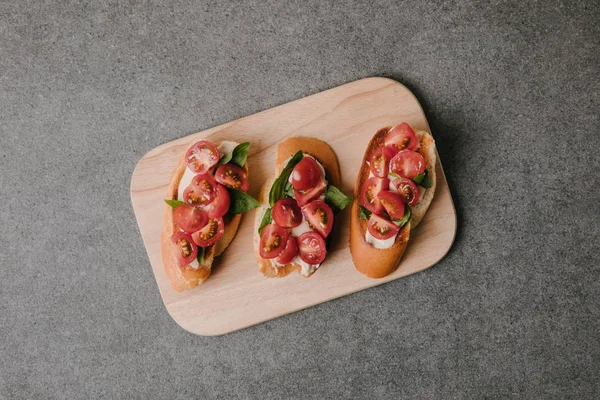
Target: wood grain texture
pixel 236 295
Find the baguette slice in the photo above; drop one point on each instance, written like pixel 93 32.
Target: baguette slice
pixel 286 149
pixel 378 263
pixel 186 277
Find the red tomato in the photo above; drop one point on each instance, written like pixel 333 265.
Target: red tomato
pixel 286 213
pixel 401 137
pixel 381 228
pixel 408 189
pixel 289 253
pixel 380 161
pixel 370 190
pixel 189 219
pixel 232 176
pixel 273 241
pixel 220 205
pixel 305 174
pixel 393 203
pixel 184 248
pixel 311 248
pixel 201 191
pixel 408 164
pixel 304 197
pixel 319 217
pixel 202 156
pixel 211 232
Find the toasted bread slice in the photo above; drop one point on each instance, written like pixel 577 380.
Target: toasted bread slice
pixel 286 149
pixel 187 277
pixel 378 263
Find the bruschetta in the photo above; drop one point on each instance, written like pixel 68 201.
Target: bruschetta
pixel 298 207
pixel 205 198
pixel 394 188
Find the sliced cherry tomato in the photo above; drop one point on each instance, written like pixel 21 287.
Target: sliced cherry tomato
pixel 202 156
pixel 189 219
pixel 286 213
pixel 393 203
pixel 200 191
pixel 380 161
pixel 381 228
pixel 184 248
pixel 303 197
pixel 289 253
pixel 408 164
pixel 211 232
pixel 311 248
pixel 408 189
pixel 401 137
pixel 220 204
pixel 319 216
pixel 273 241
pixel 370 190
pixel 232 176
pixel 305 174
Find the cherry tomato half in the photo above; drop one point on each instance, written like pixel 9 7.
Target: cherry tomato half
pixel 381 228
pixel 286 213
pixel 408 189
pixel 370 190
pixel 319 216
pixel 189 219
pixel 211 232
pixel 202 156
pixel 380 161
pixel 184 248
pixel 401 137
pixel 289 253
pixel 311 248
pixel 220 204
pixel 393 203
pixel 232 176
pixel 200 191
pixel 303 197
pixel 408 164
pixel 305 174
pixel 272 241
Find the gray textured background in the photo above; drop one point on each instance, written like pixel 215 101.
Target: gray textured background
pixel 511 91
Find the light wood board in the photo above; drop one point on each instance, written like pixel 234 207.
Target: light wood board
pixel 236 295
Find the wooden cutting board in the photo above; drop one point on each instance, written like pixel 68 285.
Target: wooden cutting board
pixel 236 295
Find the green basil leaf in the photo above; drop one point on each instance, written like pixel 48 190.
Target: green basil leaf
pixel 240 154
pixel 423 180
pixel 336 199
pixel 278 188
pixel 364 213
pixel 200 256
pixel 289 190
pixel 394 175
pixel 241 202
pixel 426 181
pixel 174 203
pixel 266 220
pixel 419 178
pixel 407 216
pixel 224 160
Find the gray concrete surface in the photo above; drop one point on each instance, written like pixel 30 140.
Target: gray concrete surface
pixel 511 90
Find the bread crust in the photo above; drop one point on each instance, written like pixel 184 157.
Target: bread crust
pixel 378 263
pixel 325 155
pixel 186 277
pixel 427 150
